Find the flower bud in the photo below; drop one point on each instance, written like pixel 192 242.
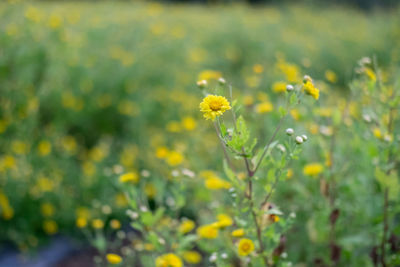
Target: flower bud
pixel 202 84
pixel 289 131
pixel 304 137
pixel 289 88
pixel 221 81
pixel 299 140
pixel 307 78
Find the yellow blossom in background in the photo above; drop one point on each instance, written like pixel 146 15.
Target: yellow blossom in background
pixel 55 21
pixel 19 147
pixel 131 177
pixel 289 173
pixel 69 144
pixel 238 233
pixel 209 75
pixel 191 256
pixel 50 227
pixel 150 190
pixel 47 209
pixel 97 224
pixel 377 133
pixel 173 127
pixel 245 247
pixel 81 222
pixel 186 226
pixel 224 220
pixel 174 158
pixel 121 200
pixel 370 74
pixel 216 183
pixel 331 76
pixel 310 89
pixel 208 231
pixel 279 87
pixel 113 258
pixel 149 247
pixel 168 260
pixel 213 106
pixel 44 148
pixel 162 152
pixel 248 100
pixel 295 114
pixel 313 169
pixel 188 123
pixel 115 224
pixel 258 68
pixel 264 107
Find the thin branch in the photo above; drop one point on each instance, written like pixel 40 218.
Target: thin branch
pixel 223 147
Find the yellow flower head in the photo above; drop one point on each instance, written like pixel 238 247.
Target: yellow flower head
pixel 115 224
pixel 113 258
pixel 264 107
pixel 313 169
pixel 186 226
pixel 97 224
pixel 216 183
pixel 192 257
pixel 224 221
pixel 246 246
pixel 214 106
pixel 209 231
pixel 238 233
pixel 132 177
pixel 168 260
pixel 279 87
pixel 310 89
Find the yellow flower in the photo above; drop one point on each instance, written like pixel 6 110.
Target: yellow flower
pixel 97 224
pixel 377 133
pixel 279 87
pixel 313 169
pixel 264 107
pixel 289 173
pixel 161 152
pixel 370 73
pixel 47 209
pixel 81 222
pixel 20 147
pixel 238 232
pixel 248 100
pixel 209 75
pixel 174 158
pixel 50 227
pixel 115 224
pixel 246 246
pixel 150 190
pixel 258 68
pixel 214 106
pixel 44 148
pixel 192 257
pixel 129 177
pixel 224 221
pixel 216 183
pixel 310 89
pixel 330 76
pixel 168 260
pixel 173 127
pixel 207 231
pixel 186 226
pixel 189 123
pixel 113 258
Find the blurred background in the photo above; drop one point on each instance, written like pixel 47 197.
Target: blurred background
pixel 91 89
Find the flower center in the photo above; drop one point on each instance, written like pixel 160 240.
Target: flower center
pixel 245 247
pixel 215 105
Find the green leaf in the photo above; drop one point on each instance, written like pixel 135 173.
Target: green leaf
pixel 389 181
pixel 282 111
pixel 186 241
pixel 223 129
pixel 147 218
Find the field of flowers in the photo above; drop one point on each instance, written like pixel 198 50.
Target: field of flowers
pixel 175 135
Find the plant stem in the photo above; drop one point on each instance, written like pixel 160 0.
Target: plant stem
pixel 385 226
pixel 228 160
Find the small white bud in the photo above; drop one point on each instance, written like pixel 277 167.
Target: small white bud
pixel 281 148
pixel 213 257
pixel 305 138
pixel 289 131
pixel 201 84
pixel 307 78
pixel 221 81
pixel 289 88
pixel 224 255
pixel 299 140
pixel 367 118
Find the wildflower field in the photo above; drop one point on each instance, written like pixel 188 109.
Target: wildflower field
pixel 196 135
